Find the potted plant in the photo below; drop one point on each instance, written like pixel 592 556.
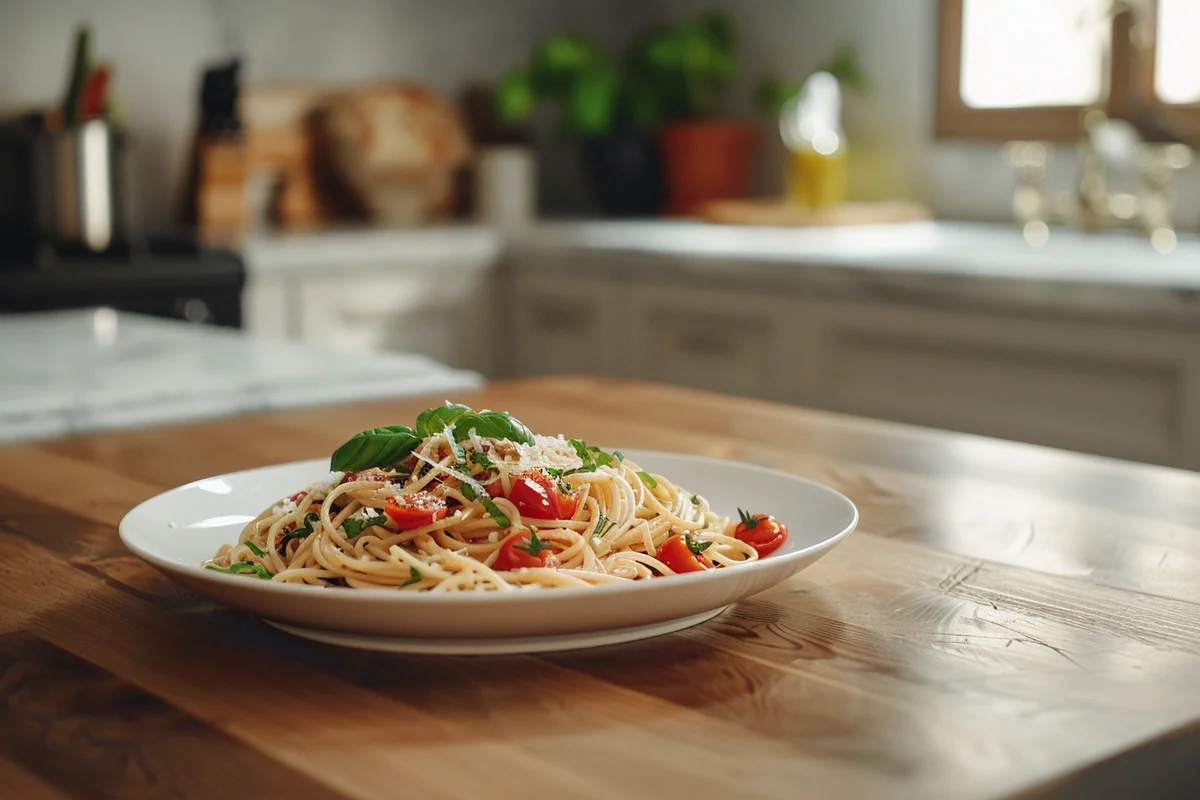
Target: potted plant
pixel 600 100
pixel 682 70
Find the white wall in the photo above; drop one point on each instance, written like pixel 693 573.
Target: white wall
pixel 891 129
pixel 158 48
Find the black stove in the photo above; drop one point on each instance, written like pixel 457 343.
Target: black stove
pixel 166 276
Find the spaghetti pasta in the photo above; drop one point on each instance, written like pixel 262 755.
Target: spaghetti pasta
pixel 468 502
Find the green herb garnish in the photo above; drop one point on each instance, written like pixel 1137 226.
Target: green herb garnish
pixel 378 447
pixel 303 531
pixel 534 546
pixel 592 457
pixel 356 525
pixel 695 545
pixel 747 519
pixel 492 425
pixel 647 479
pixel 387 447
pixel 413 577
pixel 603 526
pixel 241 567
pixel 433 421
pixel 253 548
pixel 695 500
pixel 482 460
pixel 494 510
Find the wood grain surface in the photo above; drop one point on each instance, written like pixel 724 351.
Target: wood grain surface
pixel 1009 621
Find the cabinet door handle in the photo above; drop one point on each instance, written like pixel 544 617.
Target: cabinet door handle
pixel 556 318
pixel 707 344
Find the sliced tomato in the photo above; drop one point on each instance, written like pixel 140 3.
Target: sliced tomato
pixel 416 510
pixel 536 496
pixel 762 532
pixel 525 549
pixel 677 555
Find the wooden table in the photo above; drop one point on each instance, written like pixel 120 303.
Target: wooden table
pixel 1008 621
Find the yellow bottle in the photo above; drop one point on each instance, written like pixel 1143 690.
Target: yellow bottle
pixel 811 130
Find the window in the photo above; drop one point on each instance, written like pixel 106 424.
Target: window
pixel 1027 69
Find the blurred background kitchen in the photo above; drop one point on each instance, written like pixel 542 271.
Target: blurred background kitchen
pixel 971 214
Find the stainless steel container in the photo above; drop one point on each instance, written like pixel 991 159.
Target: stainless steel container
pixel 77 185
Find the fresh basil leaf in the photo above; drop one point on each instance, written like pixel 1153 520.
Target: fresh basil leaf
pixel 492 425
pixel 413 577
pixel 647 479
pixel 482 460
pixel 253 548
pixel 468 491
pixel 553 472
pixel 695 545
pixel 618 455
pixel 301 532
pixel 494 510
pixel 241 567
pixel 378 447
pixel 433 421
pixel 356 525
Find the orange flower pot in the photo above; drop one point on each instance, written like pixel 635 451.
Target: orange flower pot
pixel 706 160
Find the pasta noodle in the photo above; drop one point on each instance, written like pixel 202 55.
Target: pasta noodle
pixel 462 511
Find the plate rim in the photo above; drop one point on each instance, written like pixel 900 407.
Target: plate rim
pixel 386 597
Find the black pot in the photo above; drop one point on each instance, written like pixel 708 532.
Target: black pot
pixel 625 172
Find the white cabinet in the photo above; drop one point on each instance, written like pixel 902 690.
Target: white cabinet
pixel 563 324
pixel 710 339
pixel 1113 386
pixel 431 292
pixel 1119 390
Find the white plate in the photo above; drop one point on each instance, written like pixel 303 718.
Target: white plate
pixel 180 529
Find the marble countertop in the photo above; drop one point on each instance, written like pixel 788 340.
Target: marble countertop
pixel 79 371
pixel 455 247
pixel 1114 272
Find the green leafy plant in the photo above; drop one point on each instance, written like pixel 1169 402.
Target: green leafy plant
pixel 667 73
pixel 843 65
pixel 682 69
pixel 574 73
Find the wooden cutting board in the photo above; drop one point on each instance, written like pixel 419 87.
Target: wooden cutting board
pixel 778 212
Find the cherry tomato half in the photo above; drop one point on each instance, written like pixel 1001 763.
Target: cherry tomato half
pixel 524 549
pixel 677 555
pixel 536 496
pixel 762 532
pixel 415 511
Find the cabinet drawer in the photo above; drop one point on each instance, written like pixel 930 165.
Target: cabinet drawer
pixel 1098 389
pixel 742 343
pixel 564 326
pixel 437 316
pixel 722 353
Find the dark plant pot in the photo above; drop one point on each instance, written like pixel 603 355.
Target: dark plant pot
pixel 625 172
pixel 706 160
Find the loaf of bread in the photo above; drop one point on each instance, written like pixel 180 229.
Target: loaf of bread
pixel 397 147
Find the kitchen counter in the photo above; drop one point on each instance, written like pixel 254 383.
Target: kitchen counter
pixel 79 371
pixel 986 263
pixel 990 264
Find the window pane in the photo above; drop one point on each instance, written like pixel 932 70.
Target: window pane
pixel 1177 58
pixel 1020 53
